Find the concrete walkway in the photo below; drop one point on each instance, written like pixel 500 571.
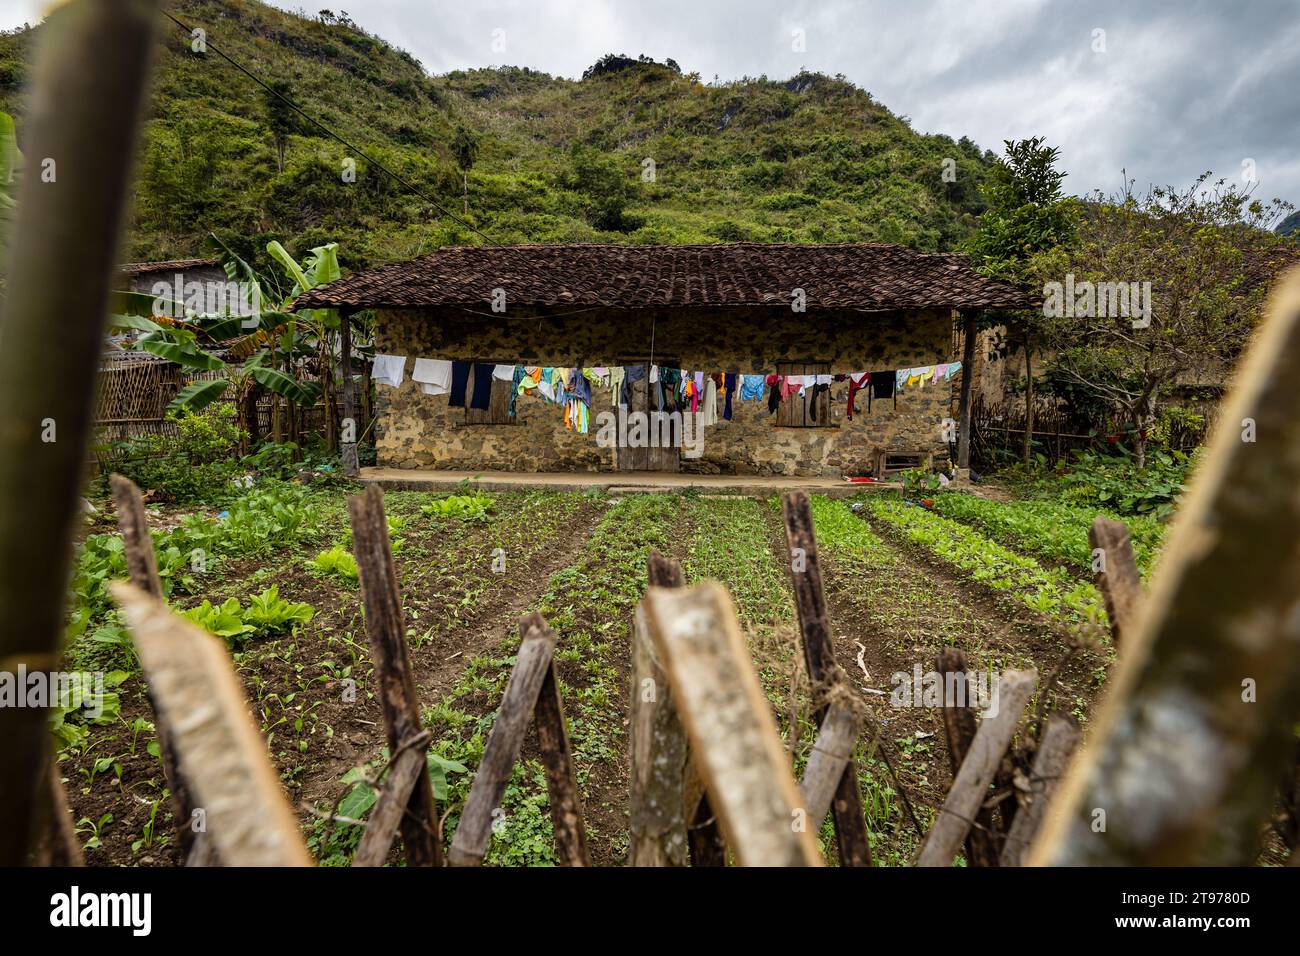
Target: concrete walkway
pixel 616 482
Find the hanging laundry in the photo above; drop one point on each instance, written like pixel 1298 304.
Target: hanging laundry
pixel 616 375
pixel 729 391
pixel 388 369
pixel 774 393
pixel 504 373
pixel 546 383
pixel 670 384
pixel 751 387
pixel 884 385
pixel 792 384
pixel 459 382
pixel 709 412
pixel 516 386
pixel 654 374
pixel 857 382
pixel 482 395
pixel 952 369
pixel 632 374
pixel 817 389
pixel 434 375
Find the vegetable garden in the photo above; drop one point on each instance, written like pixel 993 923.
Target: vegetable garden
pixel 272 574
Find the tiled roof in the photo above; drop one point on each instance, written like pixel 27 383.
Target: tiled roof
pixel 173 265
pixel 857 276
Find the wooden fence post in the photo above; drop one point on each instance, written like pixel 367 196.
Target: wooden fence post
pixel 483 805
pixel 390 806
pixel 386 631
pixel 142 565
pixel 1185 755
pixel 1054 750
pixel 1117 575
pixel 832 752
pixel 970 787
pixel 819 658
pixel 195 688
pixel 734 738
pixel 959 726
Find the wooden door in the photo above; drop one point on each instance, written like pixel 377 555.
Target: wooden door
pixel 642 399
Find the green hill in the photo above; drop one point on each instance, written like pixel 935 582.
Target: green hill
pixel 809 159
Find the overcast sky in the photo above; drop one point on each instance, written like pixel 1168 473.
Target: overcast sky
pixel 1163 88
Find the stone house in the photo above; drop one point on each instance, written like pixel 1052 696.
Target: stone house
pixel 781 309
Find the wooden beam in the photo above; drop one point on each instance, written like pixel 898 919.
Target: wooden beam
pixel 195 688
pixel 386 814
pixel 819 659
pixel 1117 575
pixel 386 632
pixel 970 788
pixel 483 806
pixel 1184 758
pixel 970 329
pixel 1059 739
pixel 959 725
pixel 734 738
pixel 557 758
pixel 142 565
pixel 832 752
pixel 659 753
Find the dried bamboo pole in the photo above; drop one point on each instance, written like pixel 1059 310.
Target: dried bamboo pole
pixel 88 82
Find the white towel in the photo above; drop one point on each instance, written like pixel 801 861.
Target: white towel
pixel 434 375
pixel 389 369
pixel 505 373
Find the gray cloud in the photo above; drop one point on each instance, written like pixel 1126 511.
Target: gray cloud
pixel 1182 86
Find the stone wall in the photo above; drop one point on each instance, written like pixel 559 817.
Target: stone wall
pixel 415 430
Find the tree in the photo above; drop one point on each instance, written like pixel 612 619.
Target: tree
pixel 281 119
pixel 1027 216
pixel 464 146
pixel 1186 264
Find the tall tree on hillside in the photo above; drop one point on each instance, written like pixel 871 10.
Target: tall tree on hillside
pixel 1028 215
pixel 281 119
pixel 1192 264
pixel 464 146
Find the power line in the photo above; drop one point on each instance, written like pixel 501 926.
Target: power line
pixel 209 45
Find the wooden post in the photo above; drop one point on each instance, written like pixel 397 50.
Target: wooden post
pixel 142 566
pixel 832 752
pixel 1185 755
pixel 959 726
pixel 1117 575
pixel 483 806
pixel 971 331
pixel 557 758
pixel 386 631
pixel 819 658
pixel 659 752
pixel 1054 750
pixel 734 738
pixel 87 81
pixel 390 806
pixel 348 450
pixel 970 787
pixel 194 684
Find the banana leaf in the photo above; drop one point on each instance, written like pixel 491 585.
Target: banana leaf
pixel 198 395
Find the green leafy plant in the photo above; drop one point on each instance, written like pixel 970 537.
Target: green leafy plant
pixel 271 614
pixel 225 621
pixel 473 507
pixel 336 561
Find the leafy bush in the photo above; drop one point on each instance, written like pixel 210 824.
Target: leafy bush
pixel 1115 482
pixel 199 462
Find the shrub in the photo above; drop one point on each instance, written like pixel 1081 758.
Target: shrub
pixel 196 463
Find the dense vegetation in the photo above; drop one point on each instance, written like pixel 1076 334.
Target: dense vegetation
pixel 810 159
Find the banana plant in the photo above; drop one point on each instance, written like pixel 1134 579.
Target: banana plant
pixel 274 338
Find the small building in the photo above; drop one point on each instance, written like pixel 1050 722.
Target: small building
pixel 814 312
